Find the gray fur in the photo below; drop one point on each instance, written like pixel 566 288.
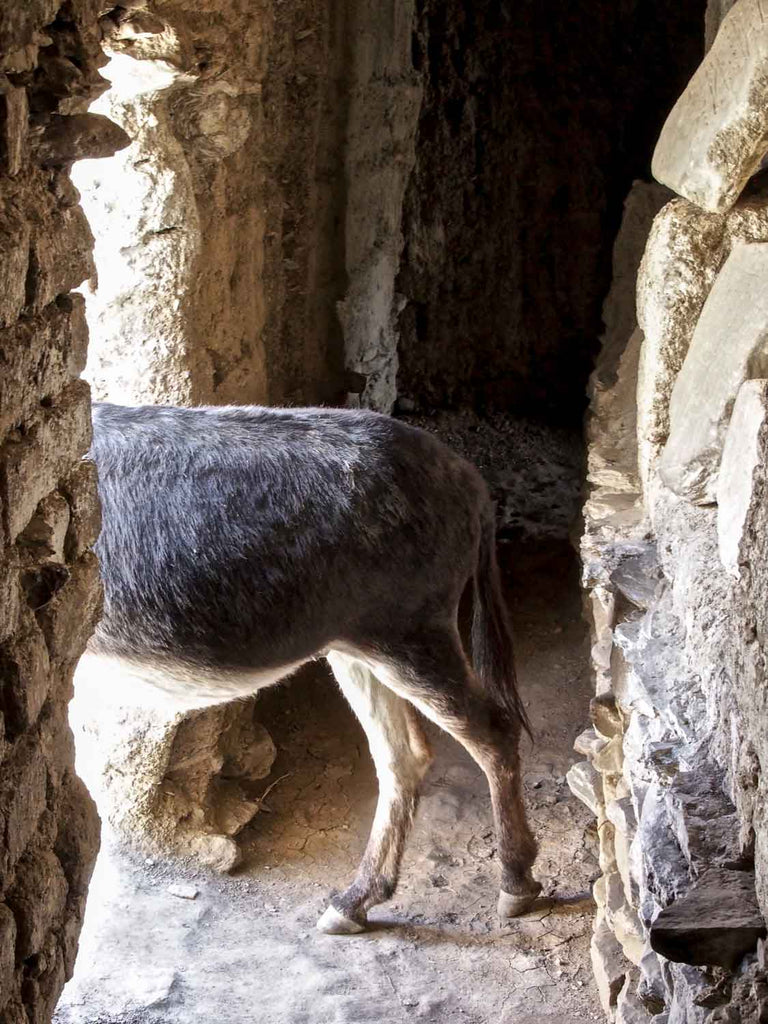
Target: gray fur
pixel 240 542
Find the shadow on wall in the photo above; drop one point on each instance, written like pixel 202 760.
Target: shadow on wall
pixel 536 118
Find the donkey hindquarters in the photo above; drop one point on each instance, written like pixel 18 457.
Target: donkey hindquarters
pixel 239 543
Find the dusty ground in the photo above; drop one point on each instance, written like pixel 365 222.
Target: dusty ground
pixel 245 949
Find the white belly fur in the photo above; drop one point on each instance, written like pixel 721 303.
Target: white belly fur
pixel 170 686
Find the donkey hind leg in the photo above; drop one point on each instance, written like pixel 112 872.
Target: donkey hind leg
pixel 433 673
pixel 401 754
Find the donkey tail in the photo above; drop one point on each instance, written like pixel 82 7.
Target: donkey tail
pixel 492 648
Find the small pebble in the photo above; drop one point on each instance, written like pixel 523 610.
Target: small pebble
pixel 184 892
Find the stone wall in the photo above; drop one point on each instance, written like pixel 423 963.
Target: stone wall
pixel 49 590
pixel 674 564
pixel 219 234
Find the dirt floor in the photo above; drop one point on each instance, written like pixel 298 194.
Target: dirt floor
pixel 245 948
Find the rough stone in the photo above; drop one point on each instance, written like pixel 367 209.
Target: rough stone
pixel 505 105
pixel 603 607
pixel 184 892
pixel 713 19
pixel 35 460
pixel 621 814
pixel 717 132
pixel 681 259
pixel 80 491
pixel 605 716
pixel 14 117
pixel 589 743
pixel 741 481
pixel 703 819
pixel 70 614
pixel 652 988
pixel 217 852
pixel 40 356
pixel 727 348
pixel 166 781
pixel 60 256
pixel 610 759
pixel 64 139
pixel 612 463
pixel 587 785
pixel 717 922
pixel 638 577
pixel 607 852
pixel 37 899
pixel 10 604
pixel 25 672
pixel 15 232
pixel 386 88
pixel 45 534
pixel 612 466
pixel 7 951
pixel 22 800
pixel 690 986
pixel 629 1007
pixel 609 966
pixel 664 873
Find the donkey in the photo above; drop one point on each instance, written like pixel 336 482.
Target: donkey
pixel 239 543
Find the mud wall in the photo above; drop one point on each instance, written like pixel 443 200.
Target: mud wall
pixel 535 120
pixel 220 234
pixel 674 562
pixel 49 590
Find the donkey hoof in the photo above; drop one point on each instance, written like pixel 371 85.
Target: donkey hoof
pixel 513 905
pixel 334 923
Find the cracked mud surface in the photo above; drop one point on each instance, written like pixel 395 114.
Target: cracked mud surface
pixel 246 950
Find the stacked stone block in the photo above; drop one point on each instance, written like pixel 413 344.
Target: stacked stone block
pixel 49 587
pixel 675 566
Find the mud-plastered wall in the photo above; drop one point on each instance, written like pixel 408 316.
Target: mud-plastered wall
pixel 221 231
pixel 49 588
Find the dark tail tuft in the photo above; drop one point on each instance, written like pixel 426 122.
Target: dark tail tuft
pixel 492 649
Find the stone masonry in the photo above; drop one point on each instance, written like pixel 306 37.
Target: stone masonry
pixel 49 588
pixel 674 557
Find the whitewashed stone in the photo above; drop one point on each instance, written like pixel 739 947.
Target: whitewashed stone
pixel 717 132
pixel 727 348
pixel 741 481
